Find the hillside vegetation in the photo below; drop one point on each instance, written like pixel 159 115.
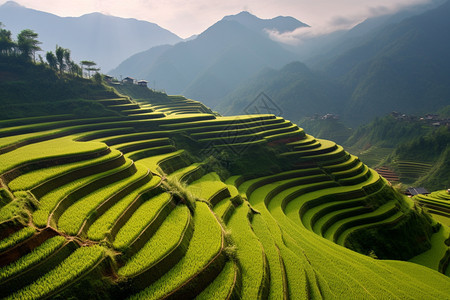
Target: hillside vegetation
pixel 168 200
pixel 401 66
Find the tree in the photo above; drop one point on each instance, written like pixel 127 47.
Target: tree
pixel 75 69
pixel 6 43
pixel 89 66
pixel 60 58
pixel 27 43
pixel 67 60
pixel 51 59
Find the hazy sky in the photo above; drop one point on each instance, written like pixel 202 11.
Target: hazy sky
pixel 188 17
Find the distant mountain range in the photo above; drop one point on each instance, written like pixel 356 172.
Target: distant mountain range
pixel 210 66
pixel 398 62
pixel 107 40
pixel 401 66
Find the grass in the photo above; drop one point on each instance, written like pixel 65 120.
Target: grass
pixel 207 186
pixel 29 180
pixel 250 253
pixel 60 147
pixel 204 246
pixel 73 217
pixel 37 255
pixel 162 242
pixel 222 286
pixel 432 257
pixel 102 226
pixel 139 220
pixel 277 273
pixel 50 200
pixel 67 272
pixel 15 238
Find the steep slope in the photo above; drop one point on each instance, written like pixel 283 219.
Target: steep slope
pixel 90 37
pixel 404 68
pixel 296 89
pixel 400 67
pixel 145 189
pixel 210 66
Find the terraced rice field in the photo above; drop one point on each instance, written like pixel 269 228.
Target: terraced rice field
pixel 116 208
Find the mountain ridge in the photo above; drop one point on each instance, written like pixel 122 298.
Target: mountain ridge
pixel 91 36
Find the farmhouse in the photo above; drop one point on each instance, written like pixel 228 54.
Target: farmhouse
pixel 128 80
pixel 142 83
pixel 416 191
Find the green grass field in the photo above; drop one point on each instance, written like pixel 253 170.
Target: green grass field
pixel 158 202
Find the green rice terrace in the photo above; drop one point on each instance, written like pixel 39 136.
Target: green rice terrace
pixel 167 199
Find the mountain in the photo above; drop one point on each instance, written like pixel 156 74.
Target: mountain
pixel 107 40
pixel 402 66
pixel 317 51
pixel 280 24
pixel 296 89
pixel 208 67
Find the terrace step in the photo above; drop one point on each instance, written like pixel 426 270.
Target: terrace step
pixel 189 174
pixel 143 223
pixel 202 263
pixel 43 180
pixel 209 188
pixel 161 252
pixel 82 188
pixel 252 257
pixel 30 267
pixel 142 145
pixel 79 264
pixel 168 163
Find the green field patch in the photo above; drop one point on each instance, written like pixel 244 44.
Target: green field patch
pixel 383 215
pixel 205 245
pixel 37 255
pixel 173 161
pixel 188 174
pixel 250 253
pixel 104 133
pixel 314 218
pixel 16 237
pixel 165 239
pixel 208 187
pixel 29 180
pixel 432 257
pixel 278 284
pixel 80 262
pixel 49 201
pixel 222 287
pixel 27 138
pixel 73 217
pixel 56 148
pixel 143 216
pixel 102 226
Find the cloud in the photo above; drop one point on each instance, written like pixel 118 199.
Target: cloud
pixel 339 22
pixel 194 16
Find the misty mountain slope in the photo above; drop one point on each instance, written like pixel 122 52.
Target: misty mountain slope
pixel 410 72
pixel 280 23
pixel 296 89
pixel 403 67
pixel 107 40
pixel 210 66
pixel 318 52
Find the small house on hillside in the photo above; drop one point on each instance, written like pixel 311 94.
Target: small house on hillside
pixel 128 80
pixel 108 78
pixel 142 83
pixel 416 191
